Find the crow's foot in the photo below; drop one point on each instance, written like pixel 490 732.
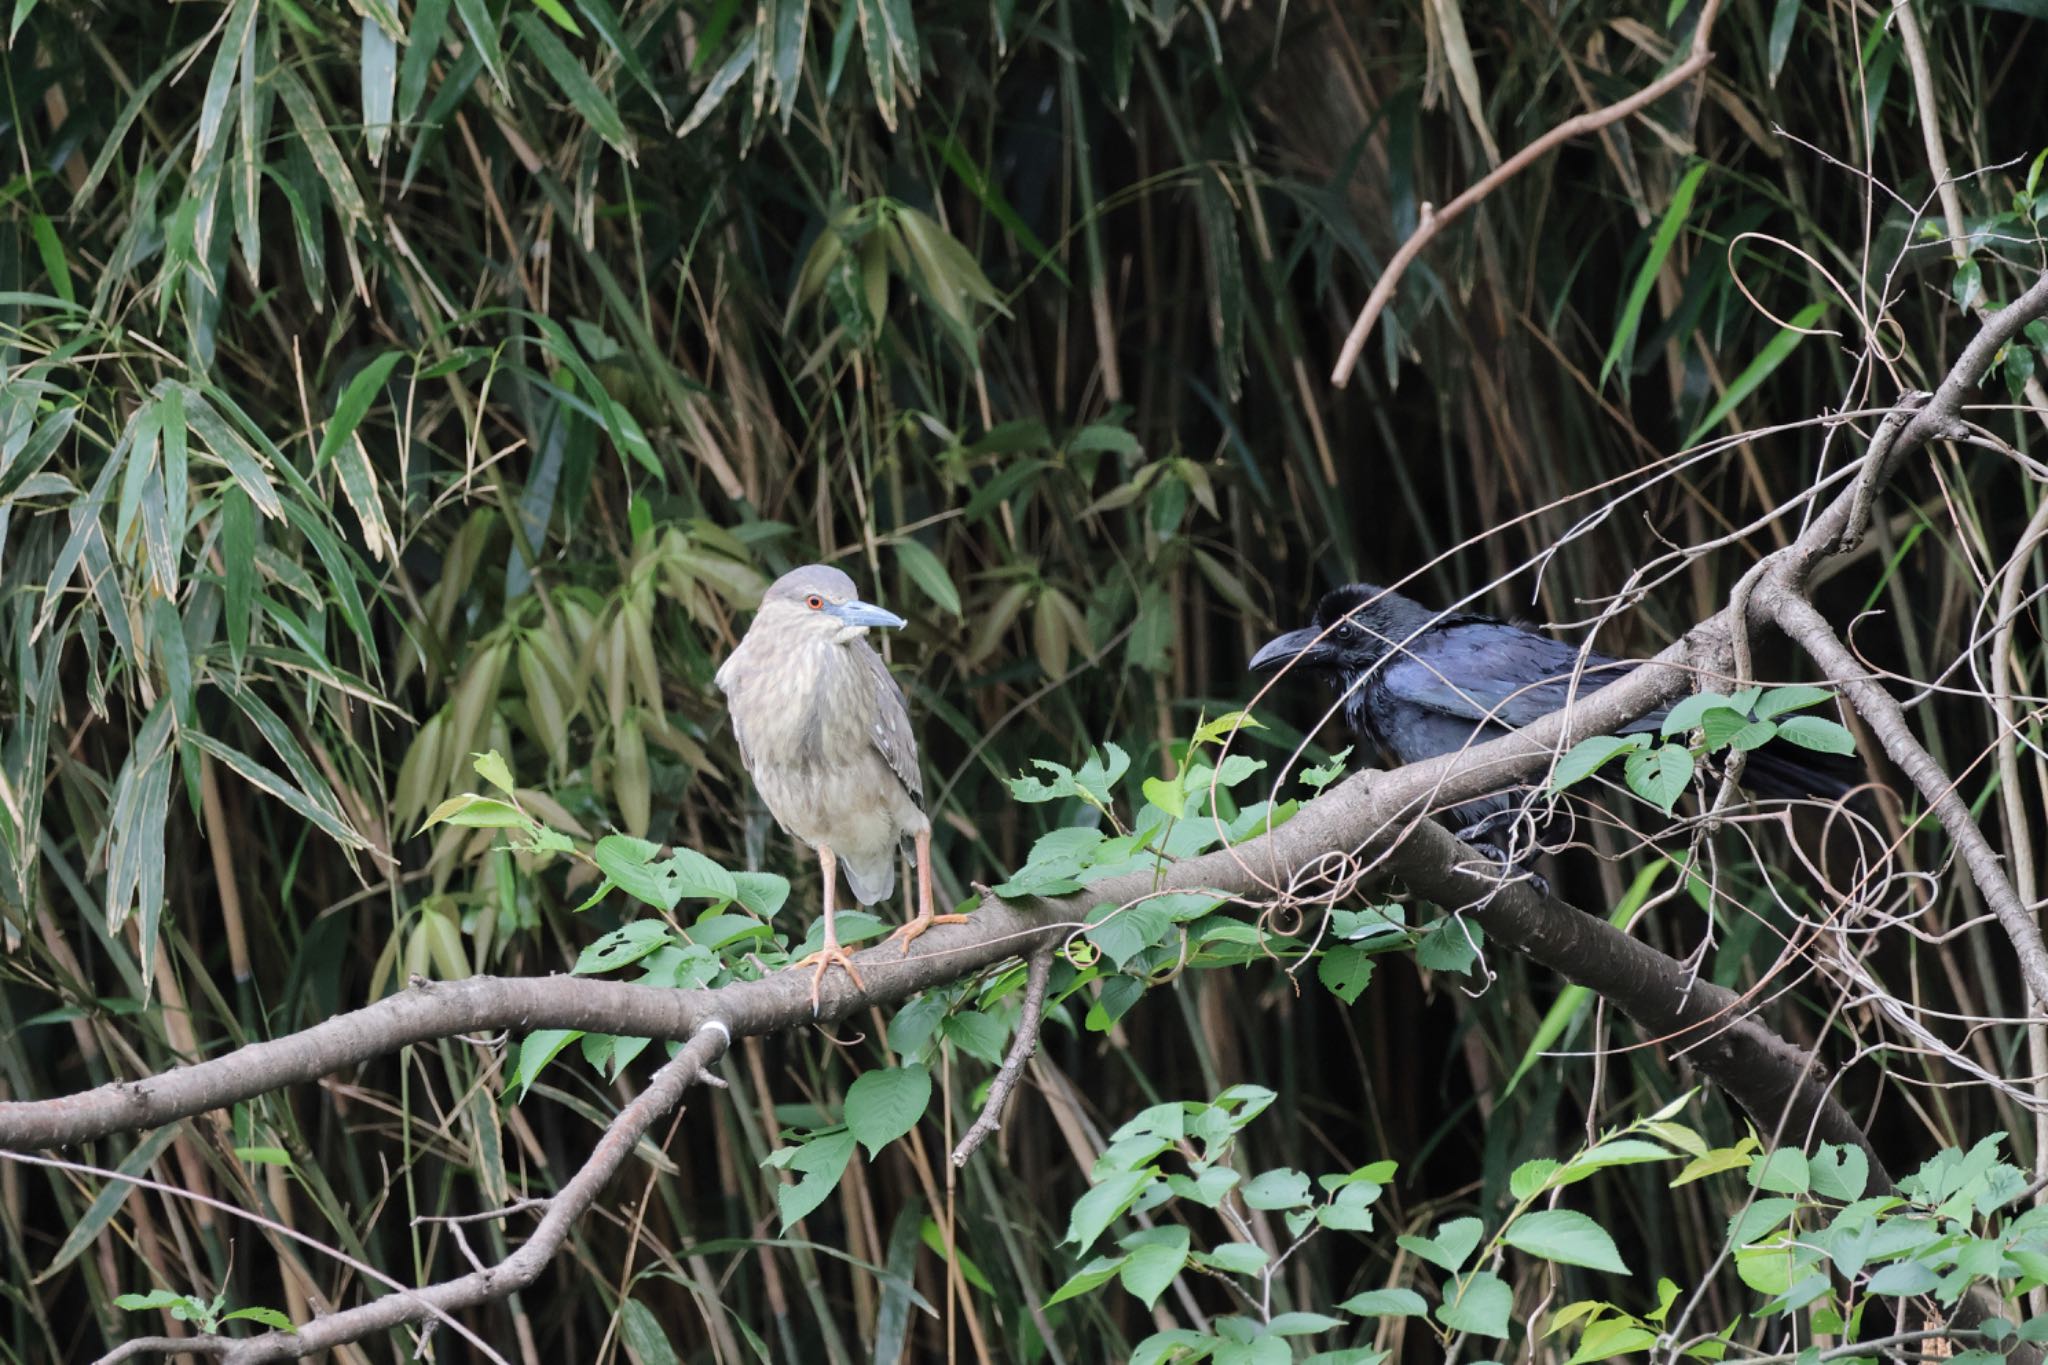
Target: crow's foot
pixel 1510 870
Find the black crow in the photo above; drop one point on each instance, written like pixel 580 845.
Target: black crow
pixel 1419 683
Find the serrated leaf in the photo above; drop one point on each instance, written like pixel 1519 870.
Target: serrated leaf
pixel 492 768
pixel 1386 1303
pixel 1660 775
pixel 1104 1201
pixel 820 1162
pixel 1480 1303
pixel 1451 1245
pixel 1588 755
pixel 1346 970
pixel 476 812
pixel 1282 1189
pixel 1684 715
pixel 1156 1257
pixel 1095 1274
pixel 1817 733
pixel 1778 700
pixel 1567 1237
pixel 1236 1258
pixel 536 1050
pixel 882 1106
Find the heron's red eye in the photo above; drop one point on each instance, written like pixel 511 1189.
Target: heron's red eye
pixel 815 602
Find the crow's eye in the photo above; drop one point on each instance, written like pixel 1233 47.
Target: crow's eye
pixel 815 602
pixel 1346 631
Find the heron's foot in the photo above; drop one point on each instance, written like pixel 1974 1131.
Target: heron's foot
pixel 909 932
pixel 827 958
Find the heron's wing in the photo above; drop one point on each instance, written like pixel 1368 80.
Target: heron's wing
pixel 891 729
pixel 1496 674
pixel 727 675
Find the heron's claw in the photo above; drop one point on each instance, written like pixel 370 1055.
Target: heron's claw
pixel 909 932
pixel 826 958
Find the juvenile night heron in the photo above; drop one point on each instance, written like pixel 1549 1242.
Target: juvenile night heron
pixel 825 735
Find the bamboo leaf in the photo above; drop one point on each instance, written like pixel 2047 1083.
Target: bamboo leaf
pixel 574 81
pixel 1758 370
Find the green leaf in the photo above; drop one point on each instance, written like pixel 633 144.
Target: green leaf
pixel 1817 733
pixel 1450 945
pixel 475 812
pixel 1778 700
pixel 1660 775
pixel 1610 1337
pixel 978 1035
pixel 1531 1178
pixel 1323 776
pixel 882 1106
pixel 1783 1172
pixel 1646 277
pixel 1968 285
pixel 1386 1303
pixel 1684 716
pixel 1588 755
pixel 536 1050
pixel 1094 1210
pixel 1300 1324
pixel 1720 725
pixel 572 80
pixel 1156 1257
pixel 1450 1247
pixel 1567 1237
pixel 1095 1274
pixel 1221 728
pixel 1753 736
pixel 623 946
pixel 1281 1189
pixel 1840 1172
pixel 1903 1278
pixel 492 768
pixel 1346 969
pixel 820 1162
pixel 925 570
pixel 269 1317
pixel 1783 16
pixel 1774 354
pixel 1479 1303
pixel 1124 931
pixel 1235 1258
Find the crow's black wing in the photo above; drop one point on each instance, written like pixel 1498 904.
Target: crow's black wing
pixel 1491 674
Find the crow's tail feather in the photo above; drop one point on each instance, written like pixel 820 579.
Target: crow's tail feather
pixel 1789 772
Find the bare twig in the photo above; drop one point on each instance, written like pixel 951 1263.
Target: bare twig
pixel 1435 221
pixel 1799 619
pixel 1007 1075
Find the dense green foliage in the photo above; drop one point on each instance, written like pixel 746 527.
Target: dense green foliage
pixel 392 382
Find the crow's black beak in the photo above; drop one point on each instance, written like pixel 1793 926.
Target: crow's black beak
pixel 1285 649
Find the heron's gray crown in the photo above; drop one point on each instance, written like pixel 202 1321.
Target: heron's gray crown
pixel 820 579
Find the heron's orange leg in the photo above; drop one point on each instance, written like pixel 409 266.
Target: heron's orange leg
pixel 831 953
pixel 925 918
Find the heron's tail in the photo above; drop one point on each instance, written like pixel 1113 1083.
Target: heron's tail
pixel 871 880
